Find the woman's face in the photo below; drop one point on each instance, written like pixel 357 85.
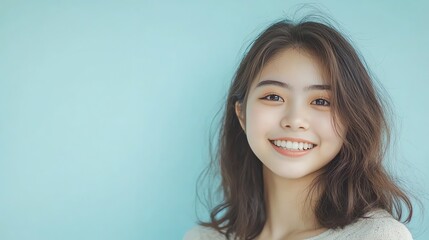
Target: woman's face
pixel 288 120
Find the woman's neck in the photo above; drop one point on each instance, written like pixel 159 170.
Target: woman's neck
pixel 289 209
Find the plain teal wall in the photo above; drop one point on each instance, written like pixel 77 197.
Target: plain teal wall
pixel 105 106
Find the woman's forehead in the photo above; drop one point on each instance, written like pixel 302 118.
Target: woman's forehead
pixel 293 67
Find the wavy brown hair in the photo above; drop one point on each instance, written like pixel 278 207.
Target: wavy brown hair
pixel 354 182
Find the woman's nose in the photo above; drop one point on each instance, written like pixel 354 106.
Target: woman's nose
pixel 295 119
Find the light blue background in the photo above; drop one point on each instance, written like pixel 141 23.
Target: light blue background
pixel 106 106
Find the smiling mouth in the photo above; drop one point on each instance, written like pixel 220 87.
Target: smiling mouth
pixel 293 146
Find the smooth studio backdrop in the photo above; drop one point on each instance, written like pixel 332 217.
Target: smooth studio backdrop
pixel 105 106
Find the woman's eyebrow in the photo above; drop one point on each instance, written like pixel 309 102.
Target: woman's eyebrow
pixel 318 87
pixel 273 82
pixel 285 85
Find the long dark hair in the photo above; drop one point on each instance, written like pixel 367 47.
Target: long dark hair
pixel 357 180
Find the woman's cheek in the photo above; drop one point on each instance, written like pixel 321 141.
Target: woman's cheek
pixel 322 121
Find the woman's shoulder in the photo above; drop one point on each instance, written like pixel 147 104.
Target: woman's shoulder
pixel 381 224
pixel 378 224
pixel 203 233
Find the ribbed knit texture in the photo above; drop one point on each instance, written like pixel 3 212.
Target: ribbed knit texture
pixel 379 225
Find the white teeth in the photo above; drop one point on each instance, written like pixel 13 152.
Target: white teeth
pixel 293 145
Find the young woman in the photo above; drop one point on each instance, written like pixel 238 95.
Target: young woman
pixel 301 144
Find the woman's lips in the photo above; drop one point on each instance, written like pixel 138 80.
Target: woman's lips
pixel 291 152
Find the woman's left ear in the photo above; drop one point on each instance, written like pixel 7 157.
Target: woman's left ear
pixel 240 115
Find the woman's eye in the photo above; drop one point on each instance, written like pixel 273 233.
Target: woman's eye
pixel 273 97
pixel 321 102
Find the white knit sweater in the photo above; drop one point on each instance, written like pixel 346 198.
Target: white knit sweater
pixel 379 225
